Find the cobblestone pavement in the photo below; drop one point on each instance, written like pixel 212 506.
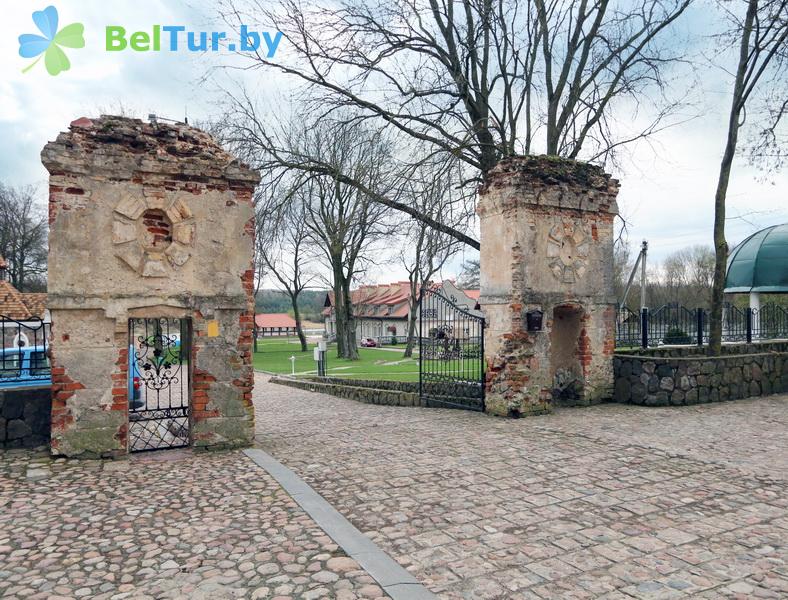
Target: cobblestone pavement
pixel 607 502
pixel 164 525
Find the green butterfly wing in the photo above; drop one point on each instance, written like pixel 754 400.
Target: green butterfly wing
pixel 71 36
pixel 56 60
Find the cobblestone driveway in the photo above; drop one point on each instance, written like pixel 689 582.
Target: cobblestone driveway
pixel 167 525
pixel 608 502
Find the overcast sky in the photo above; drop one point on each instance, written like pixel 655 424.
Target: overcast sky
pixel 667 188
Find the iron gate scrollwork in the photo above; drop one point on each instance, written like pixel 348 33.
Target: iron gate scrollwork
pixel 158 384
pixel 451 353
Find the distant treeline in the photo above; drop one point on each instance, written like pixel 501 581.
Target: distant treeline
pixel 310 303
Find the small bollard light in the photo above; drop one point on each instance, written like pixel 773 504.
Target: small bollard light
pixel 533 320
pixel 292 365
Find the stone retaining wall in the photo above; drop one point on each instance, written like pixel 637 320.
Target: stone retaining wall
pixel 678 376
pixel 387 393
pixel 25 417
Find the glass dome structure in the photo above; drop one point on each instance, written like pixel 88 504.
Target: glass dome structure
pixel 760 263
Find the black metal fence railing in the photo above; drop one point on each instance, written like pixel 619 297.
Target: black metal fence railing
pixel 24 346
pixel 391 339
pixel 676 325
pixel 451 353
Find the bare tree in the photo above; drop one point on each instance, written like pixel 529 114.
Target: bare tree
pixel 283 245
pixel 688 275
pixel 344 222
pixel 427 250
pixel 23 237
pixel 760 37
pixel 477 80
pixel 622 267
pixel 277 148
pixel 470 275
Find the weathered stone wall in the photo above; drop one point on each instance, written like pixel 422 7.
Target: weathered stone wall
pixel 147 220
pixel 376 391
pixel 682 376
pixel 24 417
pixel 547 245
pixel 384 393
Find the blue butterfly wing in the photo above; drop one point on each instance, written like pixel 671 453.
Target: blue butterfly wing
pixel 46 21
pixel 31 45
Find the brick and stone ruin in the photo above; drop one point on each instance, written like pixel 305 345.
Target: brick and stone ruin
pixel 151 229
pixel 547 284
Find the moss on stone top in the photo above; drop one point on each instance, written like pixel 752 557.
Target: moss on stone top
pixel 550 170
pixel 121 147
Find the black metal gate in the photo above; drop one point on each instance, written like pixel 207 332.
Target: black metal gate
pixel 158 383
pixel 451 353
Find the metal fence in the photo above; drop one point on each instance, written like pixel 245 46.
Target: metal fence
pixel 451 353
pixel 673 324
pixel 392 339
pixel 24 346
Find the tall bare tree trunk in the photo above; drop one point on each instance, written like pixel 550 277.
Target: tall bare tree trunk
pixel 297 317
pixel 340 314
pixel 345 321
pixel 412 316
pixel 720 244
pixel 351 347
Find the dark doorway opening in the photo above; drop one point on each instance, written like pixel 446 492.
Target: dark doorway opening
pixel 565 365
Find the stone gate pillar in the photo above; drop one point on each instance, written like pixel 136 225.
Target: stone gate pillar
pixel 547 284
pixel 148 221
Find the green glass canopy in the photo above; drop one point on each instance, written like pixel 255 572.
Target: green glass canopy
pixel 760 263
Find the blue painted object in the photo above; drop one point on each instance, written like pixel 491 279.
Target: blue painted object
pixel 135 382
pixel 24 367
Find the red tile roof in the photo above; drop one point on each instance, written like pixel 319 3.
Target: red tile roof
pixel 376 300
pixel 36 303
pixel 11 303
pixel 16 305
pixel 274 320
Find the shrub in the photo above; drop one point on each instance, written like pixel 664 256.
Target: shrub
pixel 676 335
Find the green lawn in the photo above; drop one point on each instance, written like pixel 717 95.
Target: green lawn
pixel 274 354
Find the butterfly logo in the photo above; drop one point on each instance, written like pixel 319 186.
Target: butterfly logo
pixel 51 43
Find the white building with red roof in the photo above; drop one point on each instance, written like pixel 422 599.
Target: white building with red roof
pixel 382 310
pixel 270 324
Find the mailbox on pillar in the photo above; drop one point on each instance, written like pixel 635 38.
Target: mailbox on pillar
pixel 533 320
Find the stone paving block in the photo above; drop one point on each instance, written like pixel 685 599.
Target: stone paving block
pixel 175 525
pixel 613 502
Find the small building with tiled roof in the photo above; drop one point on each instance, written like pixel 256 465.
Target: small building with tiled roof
pixel 268 324
pixel 382 311
pixel 18 305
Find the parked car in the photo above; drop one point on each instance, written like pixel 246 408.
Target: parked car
pixel 368 343
pixel 24 367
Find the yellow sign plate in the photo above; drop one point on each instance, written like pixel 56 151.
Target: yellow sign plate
pixel 213 328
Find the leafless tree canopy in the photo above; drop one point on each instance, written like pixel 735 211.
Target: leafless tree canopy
pixel 480 79
pixel 767 102
pixel 283 244
pixel 759 32
pixel 23 238
pixel 684 277
pixel 470 274
pixel 427 250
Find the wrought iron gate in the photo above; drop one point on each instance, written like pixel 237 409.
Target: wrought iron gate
pixel 451 353
pixel 158 383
